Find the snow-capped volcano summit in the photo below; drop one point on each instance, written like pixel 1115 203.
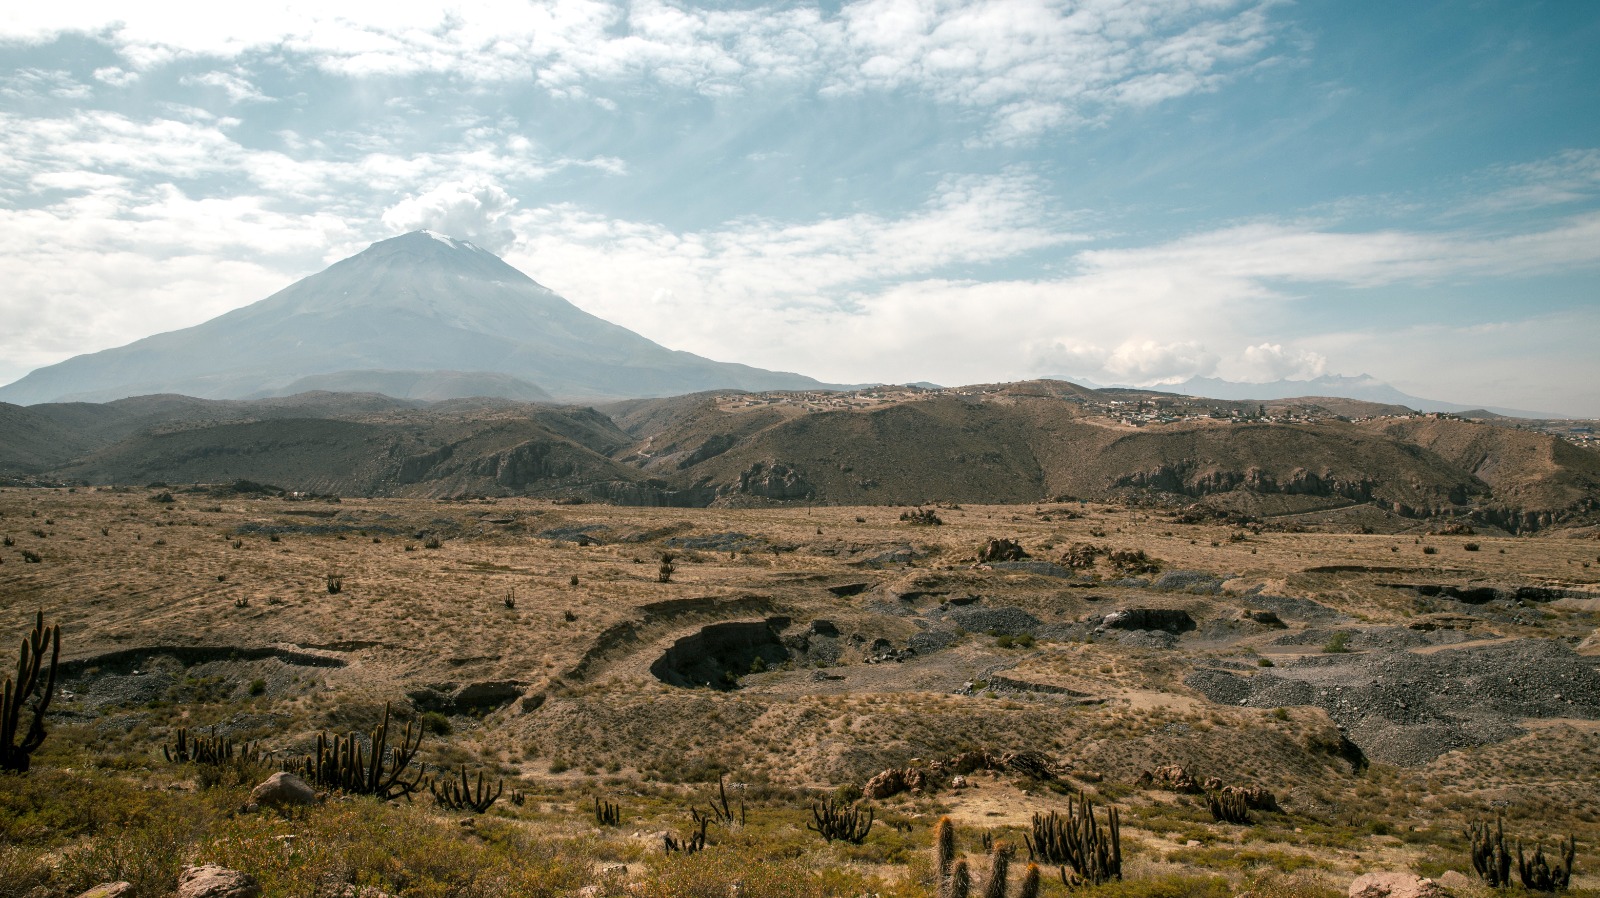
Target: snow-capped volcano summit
pixel 411 307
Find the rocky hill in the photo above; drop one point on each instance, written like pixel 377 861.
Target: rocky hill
pixel 1018 443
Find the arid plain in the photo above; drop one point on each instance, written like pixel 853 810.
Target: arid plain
pixel 1386 689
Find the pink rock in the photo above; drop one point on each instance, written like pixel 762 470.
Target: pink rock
pixel 1395 885
pixel 212 881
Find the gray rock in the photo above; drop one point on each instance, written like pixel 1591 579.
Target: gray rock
pixel 109 890
pixel 283 790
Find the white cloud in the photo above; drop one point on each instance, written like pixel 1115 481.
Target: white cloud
pixel 1272 361
pixel 237 88
pixel 472 209
pixel 1040 64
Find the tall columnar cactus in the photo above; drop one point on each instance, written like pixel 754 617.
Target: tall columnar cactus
pixel 449 793
pixel 959 883
pixel 999 868
pixel 15 755
pixel 955 876
pixel 1490 859
pixel 213 750
pixel 1078 842
pixel 1537 874
pixel 944 846
pixel 344 763
pixel 1228 807
pixel 837 821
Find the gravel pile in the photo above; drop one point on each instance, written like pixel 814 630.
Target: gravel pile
pixel 1005 621
pixel 717 542
pixel 1189 581
pixel 1374 638
pixel 1407 709
pixel 1296 609
pixel 929 641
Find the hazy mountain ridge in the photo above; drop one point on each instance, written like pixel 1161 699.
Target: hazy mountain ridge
pixel 418 303
pixel 1015 443
pixel 1361 387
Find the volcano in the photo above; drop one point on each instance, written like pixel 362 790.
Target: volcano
pixel 421 314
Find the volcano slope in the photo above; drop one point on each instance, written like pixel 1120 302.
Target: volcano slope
pixel 1384 688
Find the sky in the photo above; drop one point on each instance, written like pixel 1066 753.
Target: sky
pixel 1122 191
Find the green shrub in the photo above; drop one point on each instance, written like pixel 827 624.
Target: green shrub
pixel 1337 643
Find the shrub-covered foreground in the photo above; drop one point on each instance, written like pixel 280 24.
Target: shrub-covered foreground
pixel 63 831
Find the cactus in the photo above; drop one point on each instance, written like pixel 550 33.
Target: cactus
pixel 607 813
pixel 840 822
pixel 999 865
pixel 462 796
pixel 944 846
pixel 1076 841
pixel 1490 858
pixel 721 811
pixel 1228 807
pixel 335 584
pixel 14 754
pixel 1030 883
pixel 344 763
pixel 955 876
pixel 212 750
pixel 511 599
pixel 959 883
pixel 691 843
pixel 664 573
pixel 1539 876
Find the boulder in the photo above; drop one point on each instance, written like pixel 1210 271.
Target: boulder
pixel 893 781
pixel 109 890
pixel 1172 778
pixel 1001 550
pixel 1395 885
pixel 212 881
pixel 283 790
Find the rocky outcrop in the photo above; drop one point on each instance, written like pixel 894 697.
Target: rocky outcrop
pixel 1171 620
pixel 775 480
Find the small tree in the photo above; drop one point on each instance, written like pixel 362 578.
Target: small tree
pixel 664 573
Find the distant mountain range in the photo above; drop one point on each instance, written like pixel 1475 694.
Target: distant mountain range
pixel 1364 387
pixel 1027 442
pixel 420 316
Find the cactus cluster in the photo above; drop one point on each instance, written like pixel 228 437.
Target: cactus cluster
pixel 695 841
pixel 1228 807
pixel 955 876
pixel 14 695
pixel 212 750
pixel 607 813
pixel 1491 859
pixel 376 768
pixel 839 821
pixel 1088 853
pixel 721 811
pixel 460 795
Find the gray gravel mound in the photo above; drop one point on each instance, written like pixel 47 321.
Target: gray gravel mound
pixel 1407 709
pixel 1189 581
pixel 1042 568
pixel 1296 609
pixel 1006 621
pixel 1374 638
